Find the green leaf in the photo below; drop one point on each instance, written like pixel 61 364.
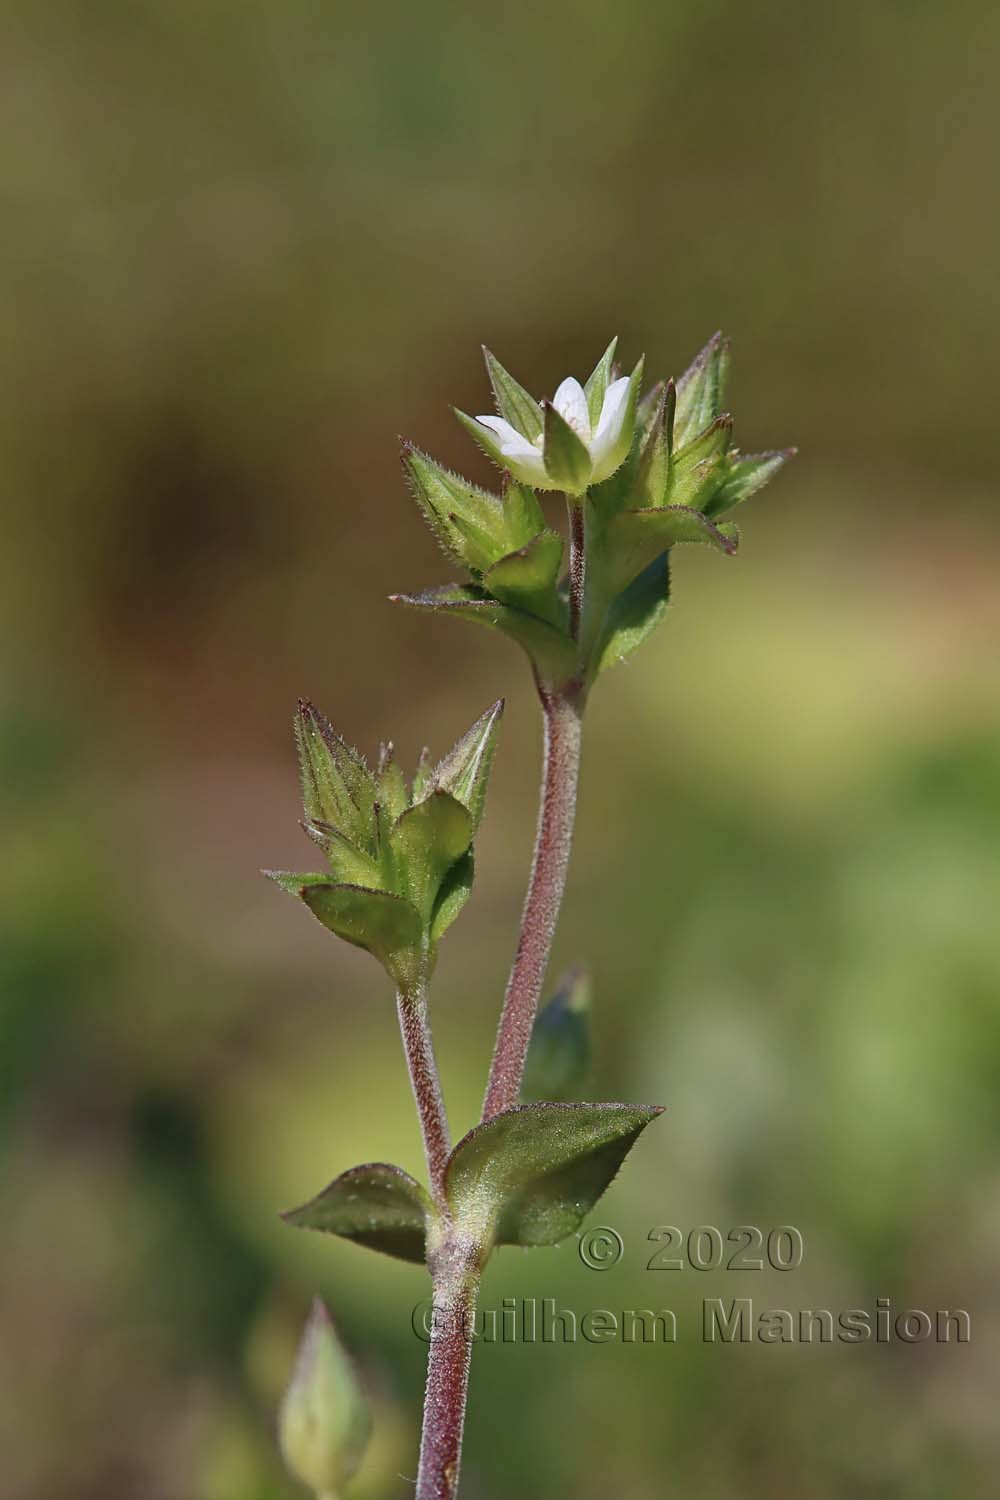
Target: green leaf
pixel 385 925
pixel 596 387
pixel 456 888
pixel 551 650
pixel 527 578
pixel 465 770
pixel 652 472
pixel 745 475
pixel 426 840
pixel 531 1174
pixel 513 402
pixel 444 496
pixel 479 549
pixel 701 389
pixel 484 436
pixel 559 1052
pixel 376 1205
pixel 634 615
pixel 522 512
pixel 636 537
pixel 337 787
pixel 567 460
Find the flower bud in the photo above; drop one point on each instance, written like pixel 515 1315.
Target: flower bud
pixel 325 1423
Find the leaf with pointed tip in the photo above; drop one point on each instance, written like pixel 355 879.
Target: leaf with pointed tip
pixel 634 615
pixel 527 578
pixel 636 537
pixel 559 1051
pixel 349 864
pixel 522 512
pixel 551 650
pixel 456 888
pixel 465 770
pixel 387 926
pixel 746 473
pixel 701 389
pixel 378 1205
pixel 426 841
pixel 567 460
pixel 530 1174
pixel 443 495
pixel 337 787
pixel 514 403
pixel 597 385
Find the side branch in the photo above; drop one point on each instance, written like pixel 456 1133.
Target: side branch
pixel 563 732
pixel 418 1045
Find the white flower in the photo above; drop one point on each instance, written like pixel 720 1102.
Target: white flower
pixel 525 457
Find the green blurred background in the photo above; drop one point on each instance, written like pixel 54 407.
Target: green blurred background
pixel 244 245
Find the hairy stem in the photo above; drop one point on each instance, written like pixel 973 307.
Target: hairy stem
pixel 562 716
pixel 577 565
pixel 454 1304
pixel 418 1044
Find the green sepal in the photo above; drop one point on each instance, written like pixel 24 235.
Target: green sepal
pixel 559 1051
pixel 522 512
pixel 465 771
pixel 514 403
pixel 385 925
pixel 425 841
pixel 551 650
pixel 349 864
pixel 392 792
pixel 626 443
pixel 447 500
pixel 527 578
pixel 377 1205
pixel 746 473
pixel 479 549
pixel 597 385
pixel 636 537
pixel 567 459
pixel 653 465
pixel 531 1174
pixel 701 390
pixel 455 890
pixel 337 787
pixel 634 615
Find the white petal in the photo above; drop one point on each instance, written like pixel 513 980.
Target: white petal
pixel 609 425
pixel 523 458
pixel 571 404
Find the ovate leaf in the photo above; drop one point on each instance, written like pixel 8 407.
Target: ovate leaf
pixel 376 1205
pixel 527 578
pixel 552 651
pixel 426 840
pixel 531 1174
pixel 383 924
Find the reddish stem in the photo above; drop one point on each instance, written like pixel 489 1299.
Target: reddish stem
pixel 447 1387
pixel 418 1044
pixel 562 717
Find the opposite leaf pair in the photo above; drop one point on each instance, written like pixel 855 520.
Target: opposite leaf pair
pixel 528 1176
pixel 400 857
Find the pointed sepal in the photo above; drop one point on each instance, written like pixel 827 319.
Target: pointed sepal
pixel 465 771
pixel 337 787
pixel 745 475
pixel 513 402
pixel 701 390
pixel 567 459
pixel 598 382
